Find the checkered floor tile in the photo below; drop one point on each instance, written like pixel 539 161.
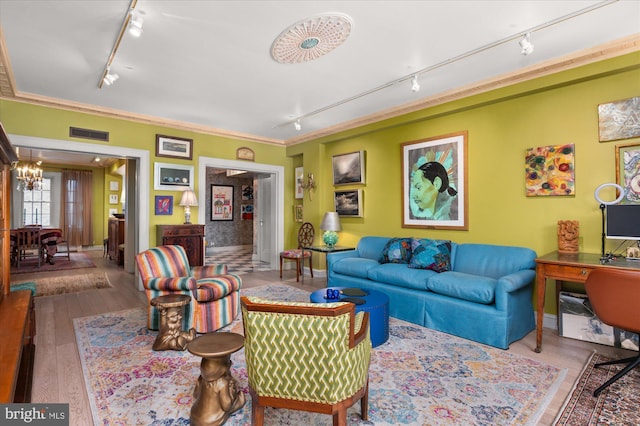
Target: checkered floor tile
pixel 238 262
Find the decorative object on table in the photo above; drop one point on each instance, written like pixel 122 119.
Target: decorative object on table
pixel 619 119
pixel 330 225
pixel 188 200
pixel 550 170
pixel 299 179
pixel 298 212
pixel 171 398
pixel 332 294
pixel 306 234
pixel 173 147
pixel 309 185
pixel 348 202
pixel 172 177
pixel 628 171
pixel 568 236
pixel 164 205
pixel 434 183
pixel 244 153
pixel 221 202
pixel 327 340
pixel 604 204
pixel 216 392
pixel 170 334
pixel 348 168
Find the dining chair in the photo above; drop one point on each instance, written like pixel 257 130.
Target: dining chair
pixel 306 234
pixel 28 245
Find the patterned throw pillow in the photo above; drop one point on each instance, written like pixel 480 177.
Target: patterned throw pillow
pixel 397 250
pixel 431 254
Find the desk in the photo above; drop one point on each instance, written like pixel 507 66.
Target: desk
pixel 326 250
pixel 568 267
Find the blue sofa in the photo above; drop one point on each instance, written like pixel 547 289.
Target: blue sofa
pixel 486 296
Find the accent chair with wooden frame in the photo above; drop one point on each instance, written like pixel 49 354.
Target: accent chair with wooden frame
pixel 306 356
pixel 306 234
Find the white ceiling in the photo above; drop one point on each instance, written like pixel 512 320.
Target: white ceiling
pixel 208 63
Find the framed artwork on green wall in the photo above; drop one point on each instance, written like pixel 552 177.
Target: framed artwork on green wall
pixel 434 183
pixel 628 171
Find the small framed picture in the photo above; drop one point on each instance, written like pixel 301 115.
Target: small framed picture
pixel 173 147
pixel 299 178
pixel 222 202
pixel 113 198
pixel 247 193
pixel 628 171
pixel 247 212
pixel 173 177
pixel 298 212
pixel 348 168
pixel 113 185
pixel 164 205
pixel 348 203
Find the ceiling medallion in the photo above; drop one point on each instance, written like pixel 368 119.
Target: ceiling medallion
pixel 311 38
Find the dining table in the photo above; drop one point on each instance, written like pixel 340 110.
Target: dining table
pixel 47 240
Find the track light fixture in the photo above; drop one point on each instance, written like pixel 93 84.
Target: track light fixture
pixel 526 45
pixel 133 21
pixel 110 78
pixel 415 86
pixel 135 24
pixel 297 125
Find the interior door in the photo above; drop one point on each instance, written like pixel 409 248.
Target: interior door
pixel 265 223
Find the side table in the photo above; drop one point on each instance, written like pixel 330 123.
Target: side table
pixel 217 393
pixel 326 250
pixel 170 335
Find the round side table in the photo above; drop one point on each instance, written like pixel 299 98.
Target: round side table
pixel 217 393
pixel 170 335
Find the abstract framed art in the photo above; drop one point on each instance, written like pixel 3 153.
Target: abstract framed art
pixel 550 170
pixel 349 202
pixel 619 120
pixel 348 169
pixel 434 183
pixel 628 172
pixel 164 205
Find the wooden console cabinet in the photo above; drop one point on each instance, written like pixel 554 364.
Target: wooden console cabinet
pixel 191 237
pixel 116 240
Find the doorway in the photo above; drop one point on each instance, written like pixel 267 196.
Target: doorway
pixel 270 240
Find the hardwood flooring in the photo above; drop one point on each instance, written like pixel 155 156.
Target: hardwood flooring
pixel 58 373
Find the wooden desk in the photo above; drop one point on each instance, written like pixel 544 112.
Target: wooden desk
pixel 568 267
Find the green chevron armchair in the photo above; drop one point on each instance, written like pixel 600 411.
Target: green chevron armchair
pixel 306 356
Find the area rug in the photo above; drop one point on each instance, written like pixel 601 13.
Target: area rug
pixel 616 405
pixel 418 377
pixel 77 261
pixel 70 283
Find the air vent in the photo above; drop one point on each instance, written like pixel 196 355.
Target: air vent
pixel 95 135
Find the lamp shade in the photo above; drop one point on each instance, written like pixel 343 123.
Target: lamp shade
pixel 331 222
pixel 189 198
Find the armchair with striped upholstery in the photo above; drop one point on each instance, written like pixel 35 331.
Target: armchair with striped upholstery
pixel 306 356
pixel 215 294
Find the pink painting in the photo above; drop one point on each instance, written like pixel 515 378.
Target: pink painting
pixel 550 170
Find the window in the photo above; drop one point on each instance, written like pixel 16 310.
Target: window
pixel 36 205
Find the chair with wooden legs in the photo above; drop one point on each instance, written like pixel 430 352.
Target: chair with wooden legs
pixel 305 239
pixel 28 245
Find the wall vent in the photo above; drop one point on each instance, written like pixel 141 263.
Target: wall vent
pixel 96 135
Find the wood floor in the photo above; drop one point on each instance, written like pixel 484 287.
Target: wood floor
pixel 58 373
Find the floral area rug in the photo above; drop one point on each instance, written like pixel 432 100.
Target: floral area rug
pixel 616 405
pixel 418 377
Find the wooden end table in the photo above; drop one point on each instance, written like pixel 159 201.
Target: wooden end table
pixel 170 335
pixel 217 393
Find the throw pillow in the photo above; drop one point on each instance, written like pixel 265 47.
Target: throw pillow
pixel 397 250
pixel 431 254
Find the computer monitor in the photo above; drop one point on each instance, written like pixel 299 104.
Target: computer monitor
pixel 623 221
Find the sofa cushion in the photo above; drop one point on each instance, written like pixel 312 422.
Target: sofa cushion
pixel 354 266
pixel 491 260
pixel 397 250
pixel 474 288
pixel 399 275
pixel 431 254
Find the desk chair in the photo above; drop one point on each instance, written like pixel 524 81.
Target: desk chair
pixel 614 295
pixel 305 239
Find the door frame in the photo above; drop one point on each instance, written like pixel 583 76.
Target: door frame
pixel 276 215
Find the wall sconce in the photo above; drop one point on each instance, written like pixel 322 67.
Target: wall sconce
pixel 309 184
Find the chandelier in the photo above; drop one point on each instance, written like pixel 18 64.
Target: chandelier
pixel 29 175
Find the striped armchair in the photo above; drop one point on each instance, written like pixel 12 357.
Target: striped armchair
pixel 215 294
pixel 306 356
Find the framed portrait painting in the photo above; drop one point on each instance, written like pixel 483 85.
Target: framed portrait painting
pixel 222 202
pixel 434 183
pixel 628 172
pixel 171 146
pixel 172 177
pixel 348 168
pixel 348 203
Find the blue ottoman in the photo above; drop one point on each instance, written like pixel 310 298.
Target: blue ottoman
pixel 376 303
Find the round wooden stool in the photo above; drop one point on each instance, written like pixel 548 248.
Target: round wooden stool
pixel 170 335
pixel 216 392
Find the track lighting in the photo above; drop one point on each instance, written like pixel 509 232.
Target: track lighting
pixel 110 78
pixel 415 86
pixel 526 45
pixel 135 24
pixel 297 125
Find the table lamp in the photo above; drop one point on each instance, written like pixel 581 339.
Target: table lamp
pixel 188 200
pixel 330 224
